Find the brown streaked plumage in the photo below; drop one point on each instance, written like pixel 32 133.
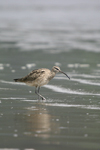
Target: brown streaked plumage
pixel 39 78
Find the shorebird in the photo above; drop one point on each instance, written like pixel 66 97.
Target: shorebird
pixel 40 77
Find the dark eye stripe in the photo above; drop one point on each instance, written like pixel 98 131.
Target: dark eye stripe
pixel 56 68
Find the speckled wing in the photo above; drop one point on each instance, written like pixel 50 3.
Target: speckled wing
pixel 35 74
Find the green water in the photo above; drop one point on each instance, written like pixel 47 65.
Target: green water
pixel 45 35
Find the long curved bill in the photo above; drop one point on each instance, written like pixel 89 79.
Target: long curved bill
pixel 65 74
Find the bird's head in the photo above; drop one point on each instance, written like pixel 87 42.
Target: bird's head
pixel 56 69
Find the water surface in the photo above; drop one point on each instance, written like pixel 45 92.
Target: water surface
pixel 37 34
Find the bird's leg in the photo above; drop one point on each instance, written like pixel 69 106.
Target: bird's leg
pixel 37 92
pixel 43 98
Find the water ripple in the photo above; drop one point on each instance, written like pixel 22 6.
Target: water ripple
pixel 58 89
pixel 90 82
pixel 68 91
pixel 76 106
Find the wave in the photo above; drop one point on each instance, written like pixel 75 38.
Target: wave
pixel 81 81
pixel 86 82
pixel 13 98
pixel 86 76
pixel 57 89
pixel 9 82
pixel 76 106
pixel 68 91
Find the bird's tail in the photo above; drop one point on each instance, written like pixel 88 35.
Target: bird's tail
pixel 18 80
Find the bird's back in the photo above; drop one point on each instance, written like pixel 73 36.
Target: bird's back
pixel 37 77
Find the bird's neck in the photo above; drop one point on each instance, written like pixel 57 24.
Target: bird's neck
pixel 52 74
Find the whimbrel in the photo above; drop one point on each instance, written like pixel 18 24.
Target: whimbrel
pixel 39 78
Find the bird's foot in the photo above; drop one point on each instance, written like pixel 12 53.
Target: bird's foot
pixel 43 98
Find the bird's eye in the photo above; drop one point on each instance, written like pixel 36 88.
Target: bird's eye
pixel 56 68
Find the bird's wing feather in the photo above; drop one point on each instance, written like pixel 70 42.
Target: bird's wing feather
pixel 33 75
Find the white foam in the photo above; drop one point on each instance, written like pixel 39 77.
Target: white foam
pixel 67 91
pixel 90 82
pixel 85 76
pixel 1 67
pixel 13 71
pixel 86 82
pixel 57 64
pixel 78 65
pixel 76 106
pixel 8 82
pixel 6 89
pixel 9 149
pixel 60 89
pixel 98 65
pixel 29 149
pixel 29 100
pixel 23 67
pixel 30 65
pixel 14 98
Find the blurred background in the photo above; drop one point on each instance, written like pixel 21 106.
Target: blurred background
pixel 40 34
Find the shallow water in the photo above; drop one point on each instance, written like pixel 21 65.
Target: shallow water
pixel 37 34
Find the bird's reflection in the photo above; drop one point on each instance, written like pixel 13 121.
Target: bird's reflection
pixel 38 122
